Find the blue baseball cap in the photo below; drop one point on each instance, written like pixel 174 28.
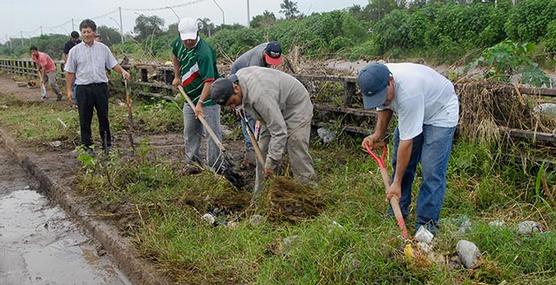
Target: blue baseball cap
pixel 373 80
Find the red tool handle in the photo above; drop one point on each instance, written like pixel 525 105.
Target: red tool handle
pixel 394 201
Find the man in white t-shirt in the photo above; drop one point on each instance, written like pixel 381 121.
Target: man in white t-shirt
pixel 427 110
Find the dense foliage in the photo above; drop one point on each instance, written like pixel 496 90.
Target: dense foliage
pixel 439 30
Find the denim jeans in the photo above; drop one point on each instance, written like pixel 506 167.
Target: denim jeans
pixel 252 122
pixel 193 132
pixel 432 148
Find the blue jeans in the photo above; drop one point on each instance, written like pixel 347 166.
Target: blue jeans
pixel 252 122
pixel 432 148
pixel 193 131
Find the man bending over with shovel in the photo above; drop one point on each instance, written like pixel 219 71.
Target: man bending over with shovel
pixel 47 72
pixel 283 106
pixel 427 109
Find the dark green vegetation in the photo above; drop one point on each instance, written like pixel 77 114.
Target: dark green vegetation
pixel 441 31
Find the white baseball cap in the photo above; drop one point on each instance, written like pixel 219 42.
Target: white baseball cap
pixel 188 29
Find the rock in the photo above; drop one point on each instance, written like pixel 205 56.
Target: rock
pixel 423 235
pixel 528 227
pixel 468 253
pixel 208 218
pixel 289 242
pixel 256 220
pixel 55 144
pixel 5 107
pixel 465 225
pixel 496 223
pixel 547 109
pixel 326 135
pixel 232 225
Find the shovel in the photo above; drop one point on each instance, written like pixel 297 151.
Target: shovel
pixel 43 88
pixel 227 171
pixel 256 148
pixel 394 201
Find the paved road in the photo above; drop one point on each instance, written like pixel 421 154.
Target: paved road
pixel 39 244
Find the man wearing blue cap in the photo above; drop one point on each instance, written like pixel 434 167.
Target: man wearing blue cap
pixel 427 110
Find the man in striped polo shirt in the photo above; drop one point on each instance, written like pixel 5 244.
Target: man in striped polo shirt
pixel 195 69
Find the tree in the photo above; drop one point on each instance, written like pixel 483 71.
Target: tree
pixel 110 36
pixel 267 19
pixel 377 9
pixel 289 9
pixel 207 27
pixel 148 26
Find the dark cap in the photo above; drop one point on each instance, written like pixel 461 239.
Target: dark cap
pixel 273 53
pixel 222 89
pixel 373 80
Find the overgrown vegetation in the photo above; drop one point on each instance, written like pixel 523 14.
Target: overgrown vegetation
pixel 346 238
pixel 350 241
pixel 441 31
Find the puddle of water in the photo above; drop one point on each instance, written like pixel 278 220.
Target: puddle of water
pixel 40 245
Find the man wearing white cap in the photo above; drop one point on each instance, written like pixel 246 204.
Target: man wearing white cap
pixel 195 69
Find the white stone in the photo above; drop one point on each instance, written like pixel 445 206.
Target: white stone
pixel 528 227
pixel 232 225
pixel 208 218
pixel 547 109
pixel 55 144
pixel 468 253
pixel 256 220
pixel 496 223
pixel 289 242
pixel 423 235
pixel 465 226
pixel 326 135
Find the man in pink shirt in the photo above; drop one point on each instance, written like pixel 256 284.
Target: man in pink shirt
pixel 47 70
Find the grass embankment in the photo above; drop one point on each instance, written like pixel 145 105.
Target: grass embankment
pixel 161 211
pixel 39 123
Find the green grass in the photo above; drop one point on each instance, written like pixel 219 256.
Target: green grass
pixel 365 249
pixel 37 123
pixel 160 210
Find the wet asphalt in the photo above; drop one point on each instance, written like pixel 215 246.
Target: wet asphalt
pixel 39 243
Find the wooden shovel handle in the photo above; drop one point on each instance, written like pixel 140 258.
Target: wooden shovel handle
pixel 394 203
pixel 203 122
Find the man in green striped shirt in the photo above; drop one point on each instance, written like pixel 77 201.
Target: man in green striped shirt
pixel 195 69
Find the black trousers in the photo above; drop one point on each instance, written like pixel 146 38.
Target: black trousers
pixel 89 97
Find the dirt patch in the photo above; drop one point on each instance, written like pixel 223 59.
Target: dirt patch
pixel 9 86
